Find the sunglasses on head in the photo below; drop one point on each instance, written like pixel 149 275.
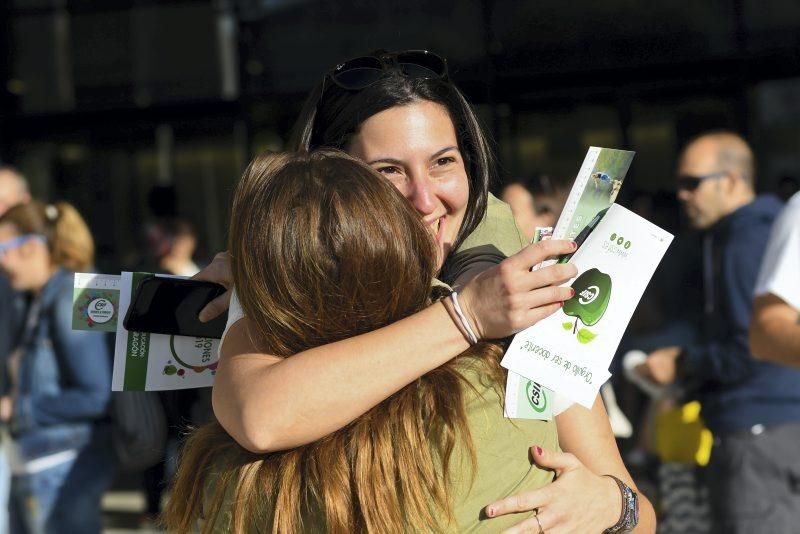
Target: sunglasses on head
pixel 690 183
pixel 361 72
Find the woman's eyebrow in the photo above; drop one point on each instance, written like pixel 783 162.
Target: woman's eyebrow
pixel 444 151
pixel 391 161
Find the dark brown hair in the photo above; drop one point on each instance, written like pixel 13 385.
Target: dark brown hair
pixel 331 121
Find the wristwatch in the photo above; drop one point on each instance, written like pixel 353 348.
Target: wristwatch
pixel 629 517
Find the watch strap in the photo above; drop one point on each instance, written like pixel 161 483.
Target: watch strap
pixel 629 517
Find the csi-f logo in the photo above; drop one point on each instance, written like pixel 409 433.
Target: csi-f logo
pixel 536 396
pixel 592 293
pixel 100 310
pixel 588 295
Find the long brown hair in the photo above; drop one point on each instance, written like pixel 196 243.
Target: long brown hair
pixel 68 237
pixel 324 248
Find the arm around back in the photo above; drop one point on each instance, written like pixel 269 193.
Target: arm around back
pixel 267 403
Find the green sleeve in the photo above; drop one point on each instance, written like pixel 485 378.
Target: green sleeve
pixel 495 238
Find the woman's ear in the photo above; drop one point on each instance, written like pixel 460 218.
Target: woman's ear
pixel 734 180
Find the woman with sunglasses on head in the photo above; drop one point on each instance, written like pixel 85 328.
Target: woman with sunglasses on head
pixel 60 379
pixel 400 114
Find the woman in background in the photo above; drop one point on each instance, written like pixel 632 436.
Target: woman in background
pixel 60 379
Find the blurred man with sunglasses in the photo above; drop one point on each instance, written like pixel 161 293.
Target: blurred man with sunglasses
pixel 751 407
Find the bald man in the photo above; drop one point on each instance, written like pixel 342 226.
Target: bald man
pixel 13 188
pixel 751 407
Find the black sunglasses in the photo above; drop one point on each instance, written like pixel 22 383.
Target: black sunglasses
pixel 690 183
pixel 361 72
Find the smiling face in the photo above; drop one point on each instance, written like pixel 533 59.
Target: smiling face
pixel 415 147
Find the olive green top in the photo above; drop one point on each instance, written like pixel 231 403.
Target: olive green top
pixel 495 238
pixel 502 448
pixel 503 461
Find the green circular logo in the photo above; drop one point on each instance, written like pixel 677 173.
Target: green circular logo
pixel 536 396
pixel 194 352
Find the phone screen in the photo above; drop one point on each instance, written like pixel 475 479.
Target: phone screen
pixel 163 305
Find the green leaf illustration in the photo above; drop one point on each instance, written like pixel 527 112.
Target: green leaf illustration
pixel 592 293
pixel 567 325
pixel 586 336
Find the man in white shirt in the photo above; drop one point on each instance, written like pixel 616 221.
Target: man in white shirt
pixel 775 326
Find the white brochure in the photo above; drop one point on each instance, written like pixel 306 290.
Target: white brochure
pixel 571 350
pixel 153 362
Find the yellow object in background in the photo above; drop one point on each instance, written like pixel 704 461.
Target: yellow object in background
pixel 681 436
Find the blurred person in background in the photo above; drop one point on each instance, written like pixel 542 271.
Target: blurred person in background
pixel 13 191
pixel 170 245
pixel 775 328
pixel 400 113
pixel 13 188
pixel 534 203
pixel 751 407
pixel 522 204
pixel 56 410
pixel 787 187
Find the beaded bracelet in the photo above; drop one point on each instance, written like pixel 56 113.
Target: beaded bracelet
pixel 629 517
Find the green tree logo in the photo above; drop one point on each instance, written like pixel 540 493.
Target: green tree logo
pixel 592 294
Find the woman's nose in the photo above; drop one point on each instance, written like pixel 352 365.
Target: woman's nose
pixel 423 195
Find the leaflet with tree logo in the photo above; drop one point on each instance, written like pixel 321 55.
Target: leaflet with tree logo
pixel 153 362
pixel 570 351
pixel 596 186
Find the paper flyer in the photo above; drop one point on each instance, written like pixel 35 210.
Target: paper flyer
pixel 525 399
pixel 595 189
pixel 571 350
pixel 153 362
pixel 95 302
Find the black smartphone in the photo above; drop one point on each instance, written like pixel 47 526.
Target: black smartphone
pixel 163 305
